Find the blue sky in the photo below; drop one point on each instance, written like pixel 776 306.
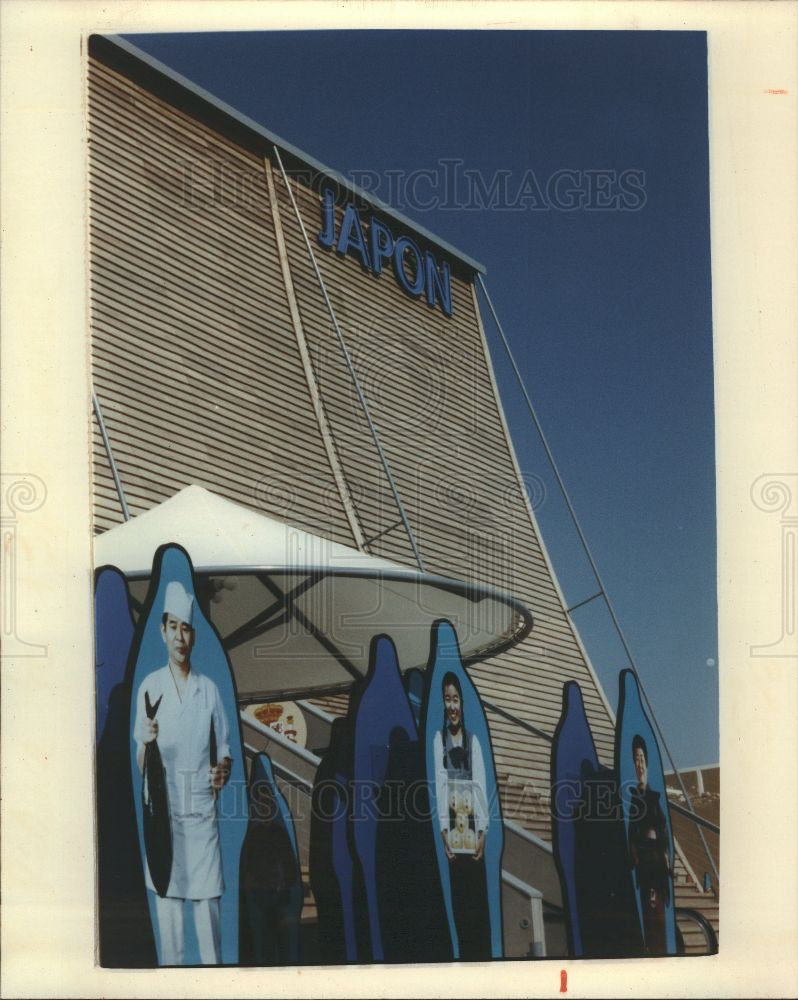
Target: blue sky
pixel 600 276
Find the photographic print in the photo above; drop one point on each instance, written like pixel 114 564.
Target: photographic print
pixel 303 385
pixel 394 507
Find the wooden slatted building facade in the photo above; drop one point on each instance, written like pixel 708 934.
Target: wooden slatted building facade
pixel 215 362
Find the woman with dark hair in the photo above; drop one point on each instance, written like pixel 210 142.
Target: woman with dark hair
pixel 463 818
pixel 648 845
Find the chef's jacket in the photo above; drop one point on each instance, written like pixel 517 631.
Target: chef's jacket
pixel 184 739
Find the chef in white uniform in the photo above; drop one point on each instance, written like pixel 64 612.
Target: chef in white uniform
pixel 182 726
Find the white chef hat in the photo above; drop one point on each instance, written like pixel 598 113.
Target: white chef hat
pixel 178 602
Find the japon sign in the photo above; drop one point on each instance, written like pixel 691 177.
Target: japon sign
pixel 417 272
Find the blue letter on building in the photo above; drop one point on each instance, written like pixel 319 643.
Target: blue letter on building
pixel 381 244
pixel 327 236
pixel 440 282
pixel 405 245
pixel 351 236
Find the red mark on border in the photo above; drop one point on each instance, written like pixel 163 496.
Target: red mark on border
pixel 776 90
pixel 563 981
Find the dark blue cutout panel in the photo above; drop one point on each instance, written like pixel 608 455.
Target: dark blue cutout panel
pixel 125 931
pixel 573 758
pixel 382 722
pixel 354 919
pixel 330 854
pixel 262 772
pixel 113 635
pixel 642 814
pixel 589 841
pixel 414 685
pixel 271 878
pixel 208 657
pixel 476 928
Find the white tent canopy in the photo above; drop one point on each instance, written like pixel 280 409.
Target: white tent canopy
pixel 296 611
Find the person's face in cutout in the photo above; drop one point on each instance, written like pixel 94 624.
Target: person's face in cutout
pixel 641 768
pixel 179 639
pixel 451 700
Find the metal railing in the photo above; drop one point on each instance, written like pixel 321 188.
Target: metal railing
pixel 706 928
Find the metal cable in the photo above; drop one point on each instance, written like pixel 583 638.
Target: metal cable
pixel 594 568
pixel 98 413
pixel 353 373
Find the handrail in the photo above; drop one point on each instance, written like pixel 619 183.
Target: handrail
pixel 527 835
pixel 280 769
pixel 311 709
pixel 687 913
pixel 280 740
pixel 523 887
pixel 535 921
pixel 519 722
pixel 694 816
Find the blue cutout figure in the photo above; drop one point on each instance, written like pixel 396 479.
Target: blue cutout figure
pixel 198 733
pixel 464 799
pixel 125 931
pixel 646 819
pixel 331 864
pixel 271 878
pixel 390 822
pixel 414 685
pixel 589 841
pixel 573 754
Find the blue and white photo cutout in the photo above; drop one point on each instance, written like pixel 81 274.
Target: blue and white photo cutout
pixel 464 802
pixel 647 822
pixel 182 668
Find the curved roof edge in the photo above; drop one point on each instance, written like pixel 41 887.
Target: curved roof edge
pixel 118 52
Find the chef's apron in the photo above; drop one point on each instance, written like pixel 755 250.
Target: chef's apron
pixel 184 738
